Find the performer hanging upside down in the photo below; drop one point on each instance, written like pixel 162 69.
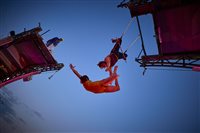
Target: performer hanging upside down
pixel 100 86
pixel 53 43
pixel 111 59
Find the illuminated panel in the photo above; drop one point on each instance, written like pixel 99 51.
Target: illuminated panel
pixel 178 29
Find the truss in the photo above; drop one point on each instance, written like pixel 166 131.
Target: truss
pixel 179 61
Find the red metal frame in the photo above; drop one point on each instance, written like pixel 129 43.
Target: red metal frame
pixel 183 59
pixel 24 55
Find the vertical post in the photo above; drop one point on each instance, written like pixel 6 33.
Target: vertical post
pixel 138 23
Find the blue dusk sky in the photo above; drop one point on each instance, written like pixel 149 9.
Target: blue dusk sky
pixel 159 101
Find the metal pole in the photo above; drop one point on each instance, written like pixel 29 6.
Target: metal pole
pixel 141 35
pixel 45 32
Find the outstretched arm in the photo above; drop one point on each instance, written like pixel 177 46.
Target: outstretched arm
pixel 112 77
pixel 75 72
pixel 108 67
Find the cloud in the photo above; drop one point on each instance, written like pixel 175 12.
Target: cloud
pixel 14 115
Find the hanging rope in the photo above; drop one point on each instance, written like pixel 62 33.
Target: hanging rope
pixel 127 27
pixel 53 74
pixel 140 53
pixel 123 33
pixel 133 42
pixel 45 32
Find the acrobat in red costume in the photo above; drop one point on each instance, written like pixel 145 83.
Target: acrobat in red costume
pixel 100 86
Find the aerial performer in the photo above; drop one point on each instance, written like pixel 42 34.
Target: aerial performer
pixel 100 86
pixel 53 43
pixel 111 59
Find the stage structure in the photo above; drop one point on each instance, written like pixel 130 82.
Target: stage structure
pixel 177 32
pixel 24 55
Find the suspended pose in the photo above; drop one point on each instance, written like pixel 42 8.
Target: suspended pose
pixel 53 43
pixel 101 86
pixel 111 59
